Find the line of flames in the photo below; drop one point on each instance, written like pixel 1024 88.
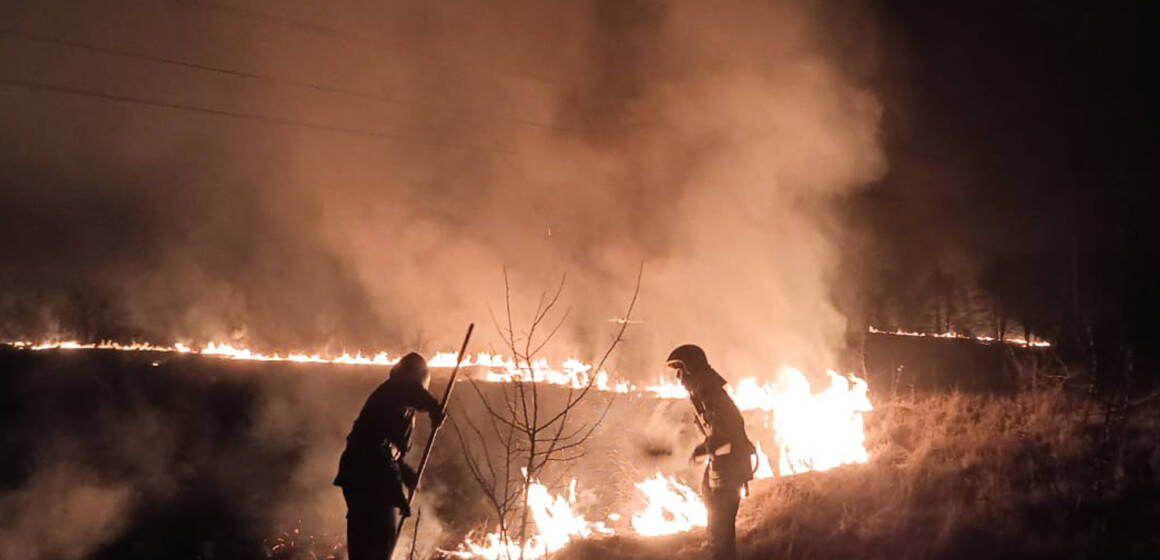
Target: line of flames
pixel 1012 340
pixel 812 431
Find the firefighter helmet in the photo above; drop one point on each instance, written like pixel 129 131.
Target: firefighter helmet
pixel 412 368
pixel 689 357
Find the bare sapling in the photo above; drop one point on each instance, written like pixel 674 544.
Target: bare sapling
pixel 523 431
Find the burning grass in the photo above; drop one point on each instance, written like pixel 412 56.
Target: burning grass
pixel 1040 474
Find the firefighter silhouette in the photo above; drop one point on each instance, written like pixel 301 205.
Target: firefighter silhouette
pixel 371 472
pixel 726 446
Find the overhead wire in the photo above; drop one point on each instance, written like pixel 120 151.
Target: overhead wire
pixel 27 84
pixel 40 38
pixel 292 23
pixel 270 79
pixel 333 32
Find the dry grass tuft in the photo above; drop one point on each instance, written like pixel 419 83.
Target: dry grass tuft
pixel 1038 474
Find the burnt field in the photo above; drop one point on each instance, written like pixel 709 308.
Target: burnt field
pixel 113 454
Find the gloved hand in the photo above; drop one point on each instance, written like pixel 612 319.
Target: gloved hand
pixel 699 453
pixel 408 475
pixel 437 417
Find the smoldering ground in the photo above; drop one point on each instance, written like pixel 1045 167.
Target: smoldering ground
pixel 357 179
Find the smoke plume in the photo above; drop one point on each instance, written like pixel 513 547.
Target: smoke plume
pixel 362 173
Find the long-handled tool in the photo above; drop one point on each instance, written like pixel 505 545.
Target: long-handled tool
pixel 435 430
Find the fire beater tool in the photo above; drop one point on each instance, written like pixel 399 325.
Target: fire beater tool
pixel 435 430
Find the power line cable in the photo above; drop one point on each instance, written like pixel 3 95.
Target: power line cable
pixel 318 29
pixel 254 117
pixel 291 23
pixel 34 37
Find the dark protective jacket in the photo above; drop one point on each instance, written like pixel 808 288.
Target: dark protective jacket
pixel 728 448
pixel 381 436
pixel 726 443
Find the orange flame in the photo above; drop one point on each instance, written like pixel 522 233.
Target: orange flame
pixel 814 431
pixel 671 507
pixel 1013 340
pixel 811 431
pixel 555 523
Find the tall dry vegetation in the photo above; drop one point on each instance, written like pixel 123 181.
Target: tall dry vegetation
pixel 1042 473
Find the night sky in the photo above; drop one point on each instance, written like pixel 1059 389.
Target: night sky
pixel 1017 153
pixel 1027 118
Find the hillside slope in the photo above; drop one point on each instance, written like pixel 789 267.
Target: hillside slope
pixel 1040 475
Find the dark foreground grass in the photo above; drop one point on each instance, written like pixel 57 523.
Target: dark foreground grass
pixel 1037 475
pixel 117 455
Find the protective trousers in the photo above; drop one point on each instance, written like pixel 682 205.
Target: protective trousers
pixel 722 506
pixel 370 523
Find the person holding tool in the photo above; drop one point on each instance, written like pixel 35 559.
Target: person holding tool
pixel 371 471
pixel 726 446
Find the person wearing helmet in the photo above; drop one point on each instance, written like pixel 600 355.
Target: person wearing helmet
pixel 371 471
pixel 726 446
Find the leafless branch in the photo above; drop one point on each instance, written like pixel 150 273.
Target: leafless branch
pixel 529 432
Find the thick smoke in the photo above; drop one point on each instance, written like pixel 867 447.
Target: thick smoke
pixel 396 157
pixel 77 516
pixel 708 141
